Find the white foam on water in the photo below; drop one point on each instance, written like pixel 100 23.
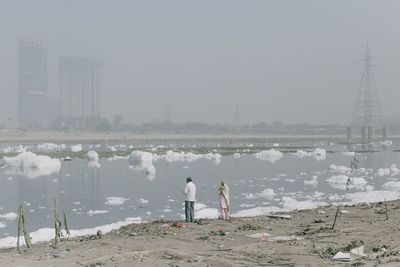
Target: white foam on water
pixel 383 172
pixel 94 212
pixel 339 169
pixel 318 154
pixel 143 201
pixel 51 147
pixel 340 181
pixel 76 148
pixel 268 194
pixel 391 185
pixel 349 153
pixel 30 165
pixel 142 161
pixel 47 234
pixel 312 182
pixel 115 201
pixel 271 155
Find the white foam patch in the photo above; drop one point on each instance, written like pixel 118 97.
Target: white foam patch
pixel 392 171
pixel 387 143
pixel 115 157
pixel 391 185
pixel 293 204
pixel 268 193
pixel 271 155
pixel 47 234
pixel 2 225
pixel 115 201
pixel 349 153
pixel 93 159
pixel 340 181
pixel 203 212
pixel 339 169
pixel 142 161
pixel 290 204
pixel 51 147
pixel 206 213
pixel 172 156
pixel 143 201
pixel 30 165
pixel 383 172
pixel 15 149
pixel 256 211
pixel 318 154
pixel 76 148
pixel 9 216
pixel 93 155
pixel 94 212
pixel 372 196
pixel 312 182
pixel 236 155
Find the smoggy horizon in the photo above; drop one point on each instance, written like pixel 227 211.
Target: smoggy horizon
pixel 276 60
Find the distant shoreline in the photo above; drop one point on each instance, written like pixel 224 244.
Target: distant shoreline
pixel 123 136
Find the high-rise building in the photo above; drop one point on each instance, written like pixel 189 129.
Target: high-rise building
pixel 79 87
pixel 32 83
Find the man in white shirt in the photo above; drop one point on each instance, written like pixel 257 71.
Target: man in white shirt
pixel 190 198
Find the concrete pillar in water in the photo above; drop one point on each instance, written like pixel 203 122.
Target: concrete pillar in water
pixel 349 134
pixel 363 134
pixel 370 133
pixel 384 132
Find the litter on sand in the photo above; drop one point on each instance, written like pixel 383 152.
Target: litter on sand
pixel 280 216
pixel 258 235
pixel 355 253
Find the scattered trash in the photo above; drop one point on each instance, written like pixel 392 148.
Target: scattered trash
pixel 67 158
pixel 218 233
pixel 249 226
pixel 358 252
pixel 344 211
pixel 203 238
pixel 284 238
pixel 260 236
pixel 340 256
pixel 179 225
pixel 99 233
pixel 321 212
pixel 280 216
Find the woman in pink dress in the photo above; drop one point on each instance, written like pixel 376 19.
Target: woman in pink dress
pixel 223 194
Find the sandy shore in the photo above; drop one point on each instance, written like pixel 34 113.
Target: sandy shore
pixel 303 240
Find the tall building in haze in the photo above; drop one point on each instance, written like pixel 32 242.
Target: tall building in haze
pixel 79 87
pixel 32 83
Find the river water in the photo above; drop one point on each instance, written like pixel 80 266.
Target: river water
pixel 113 190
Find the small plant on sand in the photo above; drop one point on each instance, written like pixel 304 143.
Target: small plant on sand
pixel 249 227
pixel 22 223
pixel 353 166
pixel 58 224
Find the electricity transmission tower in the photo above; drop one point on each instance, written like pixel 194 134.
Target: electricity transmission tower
pixel 367 110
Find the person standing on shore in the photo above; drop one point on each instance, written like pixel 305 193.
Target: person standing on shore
pixel 223 194
pixel 190 198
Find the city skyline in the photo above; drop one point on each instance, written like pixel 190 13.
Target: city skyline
pixel 296 67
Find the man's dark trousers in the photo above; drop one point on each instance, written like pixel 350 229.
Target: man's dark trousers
pixel 189 211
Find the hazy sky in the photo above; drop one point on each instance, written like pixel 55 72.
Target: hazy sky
pixel 295 61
